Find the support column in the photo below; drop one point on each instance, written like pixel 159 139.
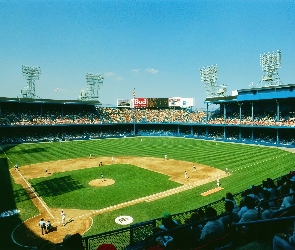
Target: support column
pixel 240 133
pixel 240 104
pixel 252 112
pixel 278 111
pixel 224 113
pixel 207 112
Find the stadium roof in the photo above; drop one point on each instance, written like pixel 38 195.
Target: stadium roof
pixel 257 94
pixel 48 101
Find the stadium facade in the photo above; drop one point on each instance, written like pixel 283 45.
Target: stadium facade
pixel 257 115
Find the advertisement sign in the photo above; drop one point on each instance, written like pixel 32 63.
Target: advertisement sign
pixel 174 102
pixel 187 102
pixel 123 103
pixel 140 102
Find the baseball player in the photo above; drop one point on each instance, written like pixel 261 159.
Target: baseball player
pixel 42 226
pixel 102 177
pixel 48 226
pixel 185 175
pixel 63 218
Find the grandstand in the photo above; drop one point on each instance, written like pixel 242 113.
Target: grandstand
pixel 260 116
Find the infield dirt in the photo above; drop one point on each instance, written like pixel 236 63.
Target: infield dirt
pixel 79 221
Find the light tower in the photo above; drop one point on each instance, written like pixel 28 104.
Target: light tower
pixel 31 74
pixel 209 77
pixel 270 63
pixel 93 82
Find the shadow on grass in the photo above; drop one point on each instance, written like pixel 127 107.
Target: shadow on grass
pixel 57 186
pixel 7 224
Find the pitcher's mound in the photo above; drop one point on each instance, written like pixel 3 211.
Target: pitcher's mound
pixel 100 183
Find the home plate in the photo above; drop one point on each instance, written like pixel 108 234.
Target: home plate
pixel 211 191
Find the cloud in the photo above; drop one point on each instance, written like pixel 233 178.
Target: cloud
pixel 108 74
pixel 152 71
pixel 135 71
pixel 120 78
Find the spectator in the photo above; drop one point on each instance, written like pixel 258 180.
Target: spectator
pixel 288 200
pixel 197 226
pixel 266 210
pixel 251 214
pixel 229 197
pixel 167 222
pixel 214 228
pixel 73 242
pixel 231 216
pixel 282 241
pixel 162 241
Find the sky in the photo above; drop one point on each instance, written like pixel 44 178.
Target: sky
pixel 156 47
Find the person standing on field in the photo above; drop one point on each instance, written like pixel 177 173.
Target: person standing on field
pixel 63 218
pixel 42 226
pixel 102 177
pixel 185 175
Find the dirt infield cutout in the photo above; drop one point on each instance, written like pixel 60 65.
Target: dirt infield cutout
pixel 29 233
pixel 100 183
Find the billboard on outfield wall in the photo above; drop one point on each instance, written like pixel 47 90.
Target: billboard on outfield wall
pixel 160 102
pixel 123 103
pixel 181 102
pixel 174 101
pixel 139 103
pixel 187 102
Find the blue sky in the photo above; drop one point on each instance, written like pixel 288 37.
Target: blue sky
pixel 156 47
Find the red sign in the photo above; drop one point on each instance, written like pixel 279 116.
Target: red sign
pixel 140 102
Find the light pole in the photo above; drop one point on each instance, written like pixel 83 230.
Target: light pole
pixel 31 74
pixel 270 63
pixel 209 77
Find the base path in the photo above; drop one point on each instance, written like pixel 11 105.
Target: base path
pixel 79 221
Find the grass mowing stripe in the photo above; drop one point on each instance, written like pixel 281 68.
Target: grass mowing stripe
pixel 251 165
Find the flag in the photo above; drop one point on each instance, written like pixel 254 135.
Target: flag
pixel 133 93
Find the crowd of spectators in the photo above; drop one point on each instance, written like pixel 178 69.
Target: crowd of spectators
pixel 104 115
pixel 108 115
pixel 22 137
pixel 267 201
pixel 263 119
pixel 126 115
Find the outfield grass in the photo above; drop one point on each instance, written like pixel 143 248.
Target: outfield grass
pixel 248 164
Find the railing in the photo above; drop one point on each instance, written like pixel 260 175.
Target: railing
pixel 138 236
pixel 259 231
pixel 135 235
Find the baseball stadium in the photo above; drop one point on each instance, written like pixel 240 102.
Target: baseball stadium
pixel 76 174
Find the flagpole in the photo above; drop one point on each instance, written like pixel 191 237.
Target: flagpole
pixel 133 94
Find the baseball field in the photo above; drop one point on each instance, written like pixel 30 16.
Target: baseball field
pixel 138 180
